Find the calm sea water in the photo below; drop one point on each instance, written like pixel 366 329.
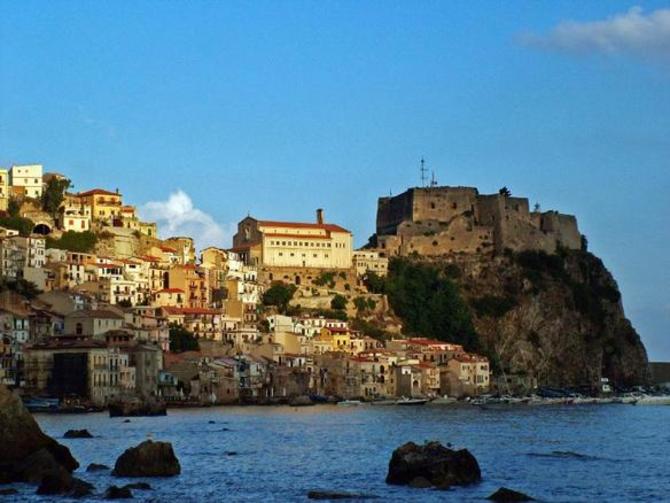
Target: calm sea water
pixel 554 453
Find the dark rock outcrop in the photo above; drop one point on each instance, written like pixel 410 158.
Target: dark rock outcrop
pixel 439 466
pixel 504 495
pixel 117 493
pixel 77 434
pixel 95 467
pixel 332 495
pixel 140 486
pixel 27 453
pixel 300 401
pixel 136 407
pixel 148 459
pixel 64 484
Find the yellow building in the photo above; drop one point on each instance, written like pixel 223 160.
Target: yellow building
pixel 193 281
pixel 104 205
pixel 4 189
pixel 294 244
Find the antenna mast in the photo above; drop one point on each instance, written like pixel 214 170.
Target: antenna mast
pixel 433 180
pixel 423 173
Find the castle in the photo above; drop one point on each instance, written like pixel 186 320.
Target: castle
pixel 442 220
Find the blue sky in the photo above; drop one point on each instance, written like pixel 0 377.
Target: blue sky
pixel 201 112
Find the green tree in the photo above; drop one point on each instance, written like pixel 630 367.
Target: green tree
pixel 25 226
pixel 374 282
pixel 429 303
pixel 338 302
pixel 53 195
pixel 21 286
pixel 360 304
pixel 182 340
pixel 82 242
pixel 279 295
pixel 13 207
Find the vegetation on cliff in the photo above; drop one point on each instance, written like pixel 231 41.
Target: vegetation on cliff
pixel 81 242
pixel 429 302
pixel 25 226
pixel 555 319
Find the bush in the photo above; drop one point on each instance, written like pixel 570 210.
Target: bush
pixel 25 226
pixel 360 304
pixel 279 295
pixel 429 303
pixel 182 340
pixel 21 286
pixel 369 329
pixel 82 242
pixel 338 302
pixel 325 278
pixel 374 283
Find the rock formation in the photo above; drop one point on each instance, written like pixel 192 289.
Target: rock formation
pixel 148 459
pixel 432 464
pixel 504 495
pixel 28 455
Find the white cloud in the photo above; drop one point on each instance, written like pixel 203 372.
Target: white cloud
pixel 633 32
pixel 178 217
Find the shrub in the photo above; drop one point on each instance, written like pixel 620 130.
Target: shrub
pixel 182 340
pixel 338 302
pixel 25 226
pixel 374 283
pixel 82 242
pixel 279 295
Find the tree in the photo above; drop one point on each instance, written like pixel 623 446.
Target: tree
pixel 53 195
pixel 13 207
pixel 182 340
pixel 338 302
pixel 374 282
pixel 429 303
pixel 25 226
pixel 505 192
pixel 360 304
pixel 82 242
pixel 279 295
pixel 536 208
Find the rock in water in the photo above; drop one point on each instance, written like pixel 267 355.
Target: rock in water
pixel 140 486
pixel 331 495
pixel 440 466
pixel 27 453
pixel 95 467
pixel 77 434
pixel 8 492
pixel 137 407
pixel 149 459
pixel 504 495
pixel 117 493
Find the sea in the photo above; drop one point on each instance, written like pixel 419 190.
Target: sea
pixel 554 453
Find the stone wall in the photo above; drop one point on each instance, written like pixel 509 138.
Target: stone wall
pixel 442 220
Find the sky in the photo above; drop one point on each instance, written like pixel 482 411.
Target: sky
pixel 202 112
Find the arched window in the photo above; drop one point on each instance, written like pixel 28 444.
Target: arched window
pixel 79 329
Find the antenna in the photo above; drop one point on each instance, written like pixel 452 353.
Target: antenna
pixel 433 180
pixel 423 173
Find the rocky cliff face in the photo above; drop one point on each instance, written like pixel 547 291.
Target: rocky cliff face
pixel 556 319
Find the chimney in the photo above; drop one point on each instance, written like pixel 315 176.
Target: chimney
pixel 319 216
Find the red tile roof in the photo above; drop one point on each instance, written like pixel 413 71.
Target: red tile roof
pixel 302 225
pixel 97 192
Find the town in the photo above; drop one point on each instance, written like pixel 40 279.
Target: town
pixel 96 308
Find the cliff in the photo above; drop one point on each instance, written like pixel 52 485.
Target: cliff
pixel 556 319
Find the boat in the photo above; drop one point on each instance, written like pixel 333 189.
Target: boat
pixel 383 402
pixel 443 400
pixel 654 400
pixel 349 403
pixel 412 401
pixel 39 404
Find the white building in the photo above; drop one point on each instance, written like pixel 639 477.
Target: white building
pixel 26 180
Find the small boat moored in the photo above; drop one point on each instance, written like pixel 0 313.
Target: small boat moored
pixel 412 401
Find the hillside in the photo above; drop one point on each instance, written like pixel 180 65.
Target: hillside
pixel 554 318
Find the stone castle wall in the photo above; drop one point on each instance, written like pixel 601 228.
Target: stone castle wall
pixel 442 220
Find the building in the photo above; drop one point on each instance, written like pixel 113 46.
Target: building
pixel 104 205
pixel 294 244
pixel 17 253
pixel 26 180
pixel 92 323
pixel 443 220
pixel 193 281
pixel 4 189
pixel 366 261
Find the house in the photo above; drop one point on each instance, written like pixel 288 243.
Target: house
pixel 294 244
pixel 105 205
pixel 26 180
pixel 193 281
pixel 93 322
